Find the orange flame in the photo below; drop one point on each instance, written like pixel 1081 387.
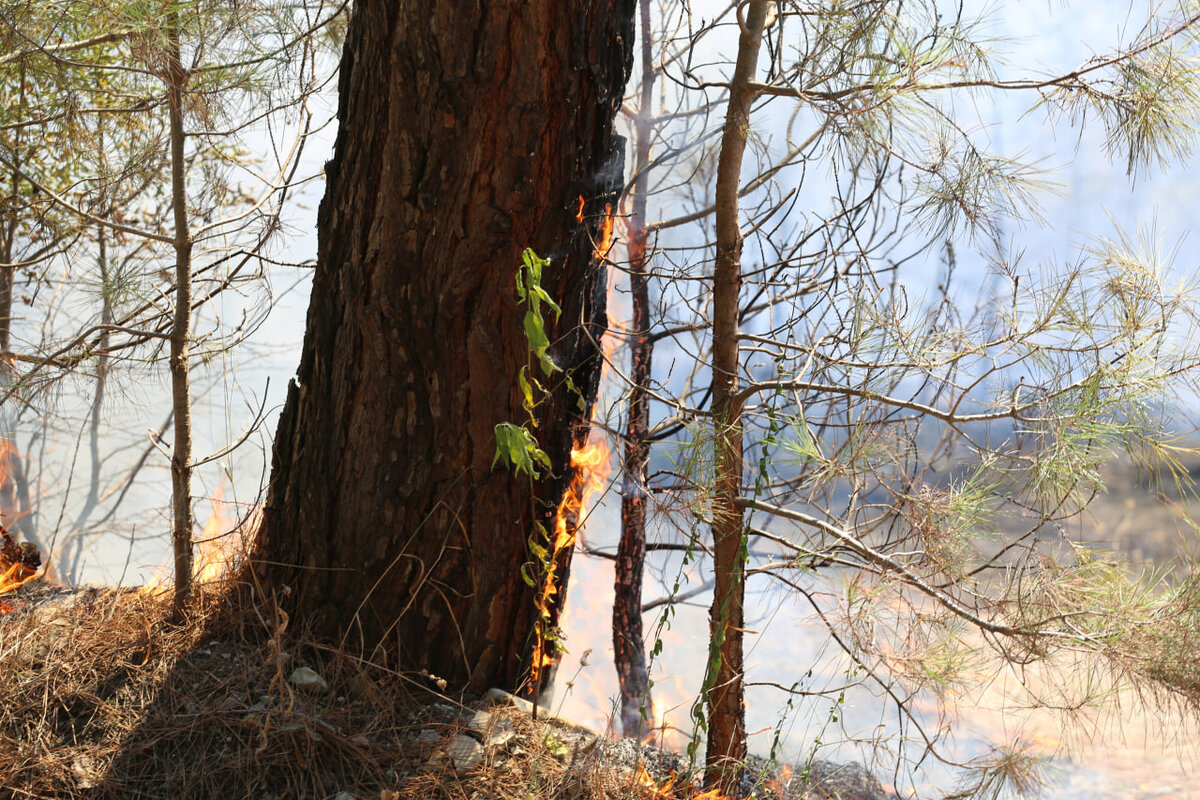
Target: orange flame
pixel 606 232
pixel 651 788
pixel 591 467
pixel 778 786
pixel 18 564
pixel 657 728
pixel 14 574
pixel 217 546
pixel 604 241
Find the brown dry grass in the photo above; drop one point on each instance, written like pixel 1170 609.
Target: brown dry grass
pixel 105 698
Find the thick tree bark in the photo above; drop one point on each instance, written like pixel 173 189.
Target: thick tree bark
pixel 629 646
pixel 724 684
pixel 468 132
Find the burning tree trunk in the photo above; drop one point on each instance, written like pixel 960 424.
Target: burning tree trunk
pixel 467 133
pixel 629 646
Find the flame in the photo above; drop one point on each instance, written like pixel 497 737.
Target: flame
pixel 217 547
pixel 604 241
pixel 14 574
pixel 18 564
pixel 591 465
pixel 606 232
pixel 590 468
pixel 656 728
pixel 778 786
pixel 653 789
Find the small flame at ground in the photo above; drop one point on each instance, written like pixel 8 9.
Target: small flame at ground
pixel 217 547
pixel 651 788
pixel 667 790
pixel 19 563
pixel 14 574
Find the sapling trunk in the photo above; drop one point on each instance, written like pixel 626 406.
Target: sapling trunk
pixel 181 468
pixel 629 647
pixel 724 682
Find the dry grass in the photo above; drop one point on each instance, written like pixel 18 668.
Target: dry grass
pixel 103 697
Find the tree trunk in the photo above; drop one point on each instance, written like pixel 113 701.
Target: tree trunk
pixel 181 402
pixel 629 646
pixel 8 236
pixel 467 133
pixel 724 683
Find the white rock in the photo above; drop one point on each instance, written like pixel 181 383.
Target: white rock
pixel 499 739
pixel 428 737
pixel 465 752
pixel 481 722
pixel 307 680
pixel 84 768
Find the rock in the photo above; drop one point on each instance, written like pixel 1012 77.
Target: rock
pixel 343 796
pixel 307 680
pixel 85 771
pixel 492 732
pixel 499 738
pixel 428 738
pixel 481 722
pixel 464 752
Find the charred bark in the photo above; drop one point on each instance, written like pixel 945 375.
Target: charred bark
pixel 467 133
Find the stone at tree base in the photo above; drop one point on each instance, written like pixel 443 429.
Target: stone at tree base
pixel 308 680
pixel 464 752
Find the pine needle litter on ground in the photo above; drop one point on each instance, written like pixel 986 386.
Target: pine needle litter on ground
pixel 102 696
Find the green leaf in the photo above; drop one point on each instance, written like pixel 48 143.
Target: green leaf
pixel 519 450
pixel 526 391
pixel 541 293
pixel 539 552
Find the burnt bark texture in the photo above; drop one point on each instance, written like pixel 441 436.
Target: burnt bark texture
pixel 629 646
pixel 468 131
